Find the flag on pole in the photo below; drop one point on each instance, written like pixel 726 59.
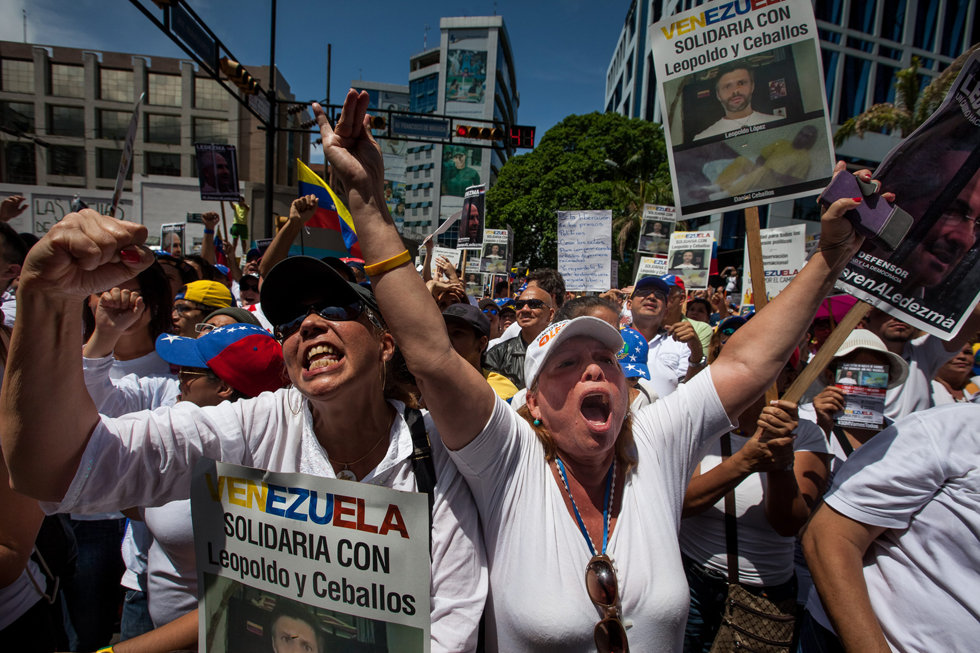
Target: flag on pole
pixel 331 212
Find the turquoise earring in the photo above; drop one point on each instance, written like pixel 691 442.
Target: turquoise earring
pixel 537 422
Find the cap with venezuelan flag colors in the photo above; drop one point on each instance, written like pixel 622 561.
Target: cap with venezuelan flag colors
pixel 209 293
pixel 330 212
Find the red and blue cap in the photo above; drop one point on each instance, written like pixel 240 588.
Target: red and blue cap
pixel 244 356
pixel 672 280
pixel 633 356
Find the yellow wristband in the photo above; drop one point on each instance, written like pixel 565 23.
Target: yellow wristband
pixel 107 649
pixel 375 269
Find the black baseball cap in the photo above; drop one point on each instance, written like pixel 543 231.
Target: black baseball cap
pixel 470 315
pixel 301 281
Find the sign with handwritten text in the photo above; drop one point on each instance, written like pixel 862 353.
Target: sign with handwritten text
pixel 585 249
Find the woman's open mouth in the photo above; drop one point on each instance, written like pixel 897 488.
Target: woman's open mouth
pixel 323 356
pixel 595 409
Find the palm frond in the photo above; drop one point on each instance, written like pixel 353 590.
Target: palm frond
pixel 934 94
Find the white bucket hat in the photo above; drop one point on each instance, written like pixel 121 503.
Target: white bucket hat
pixel 898 369
pixel 544 345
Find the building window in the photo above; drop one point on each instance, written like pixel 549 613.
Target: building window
pixel 66 160
pixel 893 20
pixel 428 154
pixel 853 93
pixel 107 164
pixel 164 90
pixel 208 94
pixel 207 130
pixel 17 115
pixel 830 11
pixel 884 84
pixel 116 85
pixel 424 94
pixel 629 68
pixel 67 81
pixel 163 129
pixel 428 173
pixel 416 174
pixel 19 163
pixel 18 76
pixel 159 163
pixel 66 121
pixel 863 15
pixel 925 25
pixel 954 20
pixel 114 124
pixel 426 192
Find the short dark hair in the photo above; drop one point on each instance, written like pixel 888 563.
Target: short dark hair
pixel 732 67
pixel 551 282
pixel 297 612
pixel 12 246
pixel 208 273
pixel 702 301
pixel 501 286
pixel 579 306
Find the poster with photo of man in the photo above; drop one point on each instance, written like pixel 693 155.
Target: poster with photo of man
pixel 746 119
pixel 466 76
pixel 173 238
pixel 689 257
pixel 217 172
pixel 658 224
pixel 471 222
pixel 460 169
pixel 495 251
pixel 932 279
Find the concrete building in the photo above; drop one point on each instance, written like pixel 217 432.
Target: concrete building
pixel 64 114
pixel 863 44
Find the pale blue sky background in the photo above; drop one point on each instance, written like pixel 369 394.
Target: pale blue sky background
pixel 561 49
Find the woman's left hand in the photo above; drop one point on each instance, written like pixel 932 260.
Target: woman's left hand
pixel 352 151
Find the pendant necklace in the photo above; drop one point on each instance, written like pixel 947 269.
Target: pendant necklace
pixel 346 474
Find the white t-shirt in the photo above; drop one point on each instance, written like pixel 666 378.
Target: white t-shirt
pixel 672 354
pixel 8 304
pixel 121 465
pixel 920 479
pixel 256 310
pixel 510 332
pixel 149 365
pixel 941 396
pixel 725 125
pixel 765 558
pixel 537 554
pixel 925 355
pixel 20 596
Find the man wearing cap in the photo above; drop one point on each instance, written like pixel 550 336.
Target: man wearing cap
pixel 195 302
pixel 677 346
pixel 535 309
pixel 492 311
pixel 675 313
pixel 469 333
pixel 456 175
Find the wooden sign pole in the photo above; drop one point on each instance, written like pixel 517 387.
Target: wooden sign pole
pixel 753 243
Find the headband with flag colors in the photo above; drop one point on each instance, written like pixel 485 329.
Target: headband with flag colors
pixel 330 212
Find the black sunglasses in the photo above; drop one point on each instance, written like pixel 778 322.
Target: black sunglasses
pixel 325 309
pixel 249 286
pixel 533 304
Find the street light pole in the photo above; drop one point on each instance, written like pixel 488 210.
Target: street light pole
pixel 270 133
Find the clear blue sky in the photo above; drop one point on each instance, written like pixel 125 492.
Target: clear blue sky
pixel 561 49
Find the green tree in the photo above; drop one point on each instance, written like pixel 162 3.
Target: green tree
pixel 593 161
pixel 911 107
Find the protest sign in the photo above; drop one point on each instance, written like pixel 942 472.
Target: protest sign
pixel 451 254
pixel 689 257
pixel 449 222
pixel 495 252
pixel 473 265
pixel 472 219
pixel 474 284
pixel 931 280
pixel 783 254
pixel 585 249
pixel 741 90
pixel 651 267
pixel 217 171
pixel 348 560
pixel 172 238
pixel 658 223
pixel 864 389
pixel 614 273
pixel 126 159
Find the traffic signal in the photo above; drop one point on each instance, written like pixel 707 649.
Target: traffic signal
pixel 239 76
pixel 521 136
pixel 377 122
pixel 308 124
pixel 480 133
pixel 296 108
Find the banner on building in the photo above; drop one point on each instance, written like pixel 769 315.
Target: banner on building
pixel 658 223
pixel 173 238
pixel 741 89
pixel 651 266
pixel 217 172
pixel 495 252
pixel 585 249
pixel 324 563
pixel 932 279
pixel 472 218
pixel 689 257
pixel 783 254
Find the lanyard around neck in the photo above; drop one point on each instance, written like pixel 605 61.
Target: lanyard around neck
pixel 605 507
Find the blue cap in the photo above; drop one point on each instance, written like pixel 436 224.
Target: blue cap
pixel 655 283
pixel 734 322
pixel 223 269
pixel 673 280
pixel 504 302
pixel 633 356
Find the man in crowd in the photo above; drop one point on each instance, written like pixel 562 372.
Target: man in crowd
pixel 248 289
pixel 492 312
pixel 469 333
pixel 548 280
pixel 677 347
pixel 675 308
pixel 535 309
pixel 195 302
pixel 734 88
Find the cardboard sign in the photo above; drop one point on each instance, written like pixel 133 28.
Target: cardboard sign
pixel 217 171
pixel 585 249
pixel 745 116
pixel 471 221
pixel 864 389
pixel 650 267
pixel 173 238
pixel 783 254
pixel 348 561
pixel 689 257
pixel 658 223
pixel 931 280
pixel 451 254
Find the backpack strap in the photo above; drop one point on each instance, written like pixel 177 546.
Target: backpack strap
pixel 731 521
pixel 845 444
pixel 422 465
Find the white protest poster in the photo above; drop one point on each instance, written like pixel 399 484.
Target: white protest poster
pixel 451 254
pixel 690 257
pixel 471 222
pixel 585 249
pixel 326 562
pixel 650 266
pixel 783 254
pixel 658 223
pixel 495 251
pixel 741 90
pixel 173 238
pixel 615 274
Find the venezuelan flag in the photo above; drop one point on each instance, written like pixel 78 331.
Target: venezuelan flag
pixel 331 212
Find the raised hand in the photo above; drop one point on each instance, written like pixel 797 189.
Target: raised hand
pixel 84 254
pixel 684 332
pixel 838 237
pixel 210 220
pixel 352 151
pixel 118 311
pixel 303 208
pixel 11 207
pixel 445 266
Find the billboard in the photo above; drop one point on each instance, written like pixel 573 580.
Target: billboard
pixel 460 169
pixel 466 76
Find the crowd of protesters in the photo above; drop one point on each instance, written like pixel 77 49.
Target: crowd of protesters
pixel 607 469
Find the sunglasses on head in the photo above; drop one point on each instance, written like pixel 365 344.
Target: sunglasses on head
pixel 533 304
pixel 325 309
pixel 490 311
